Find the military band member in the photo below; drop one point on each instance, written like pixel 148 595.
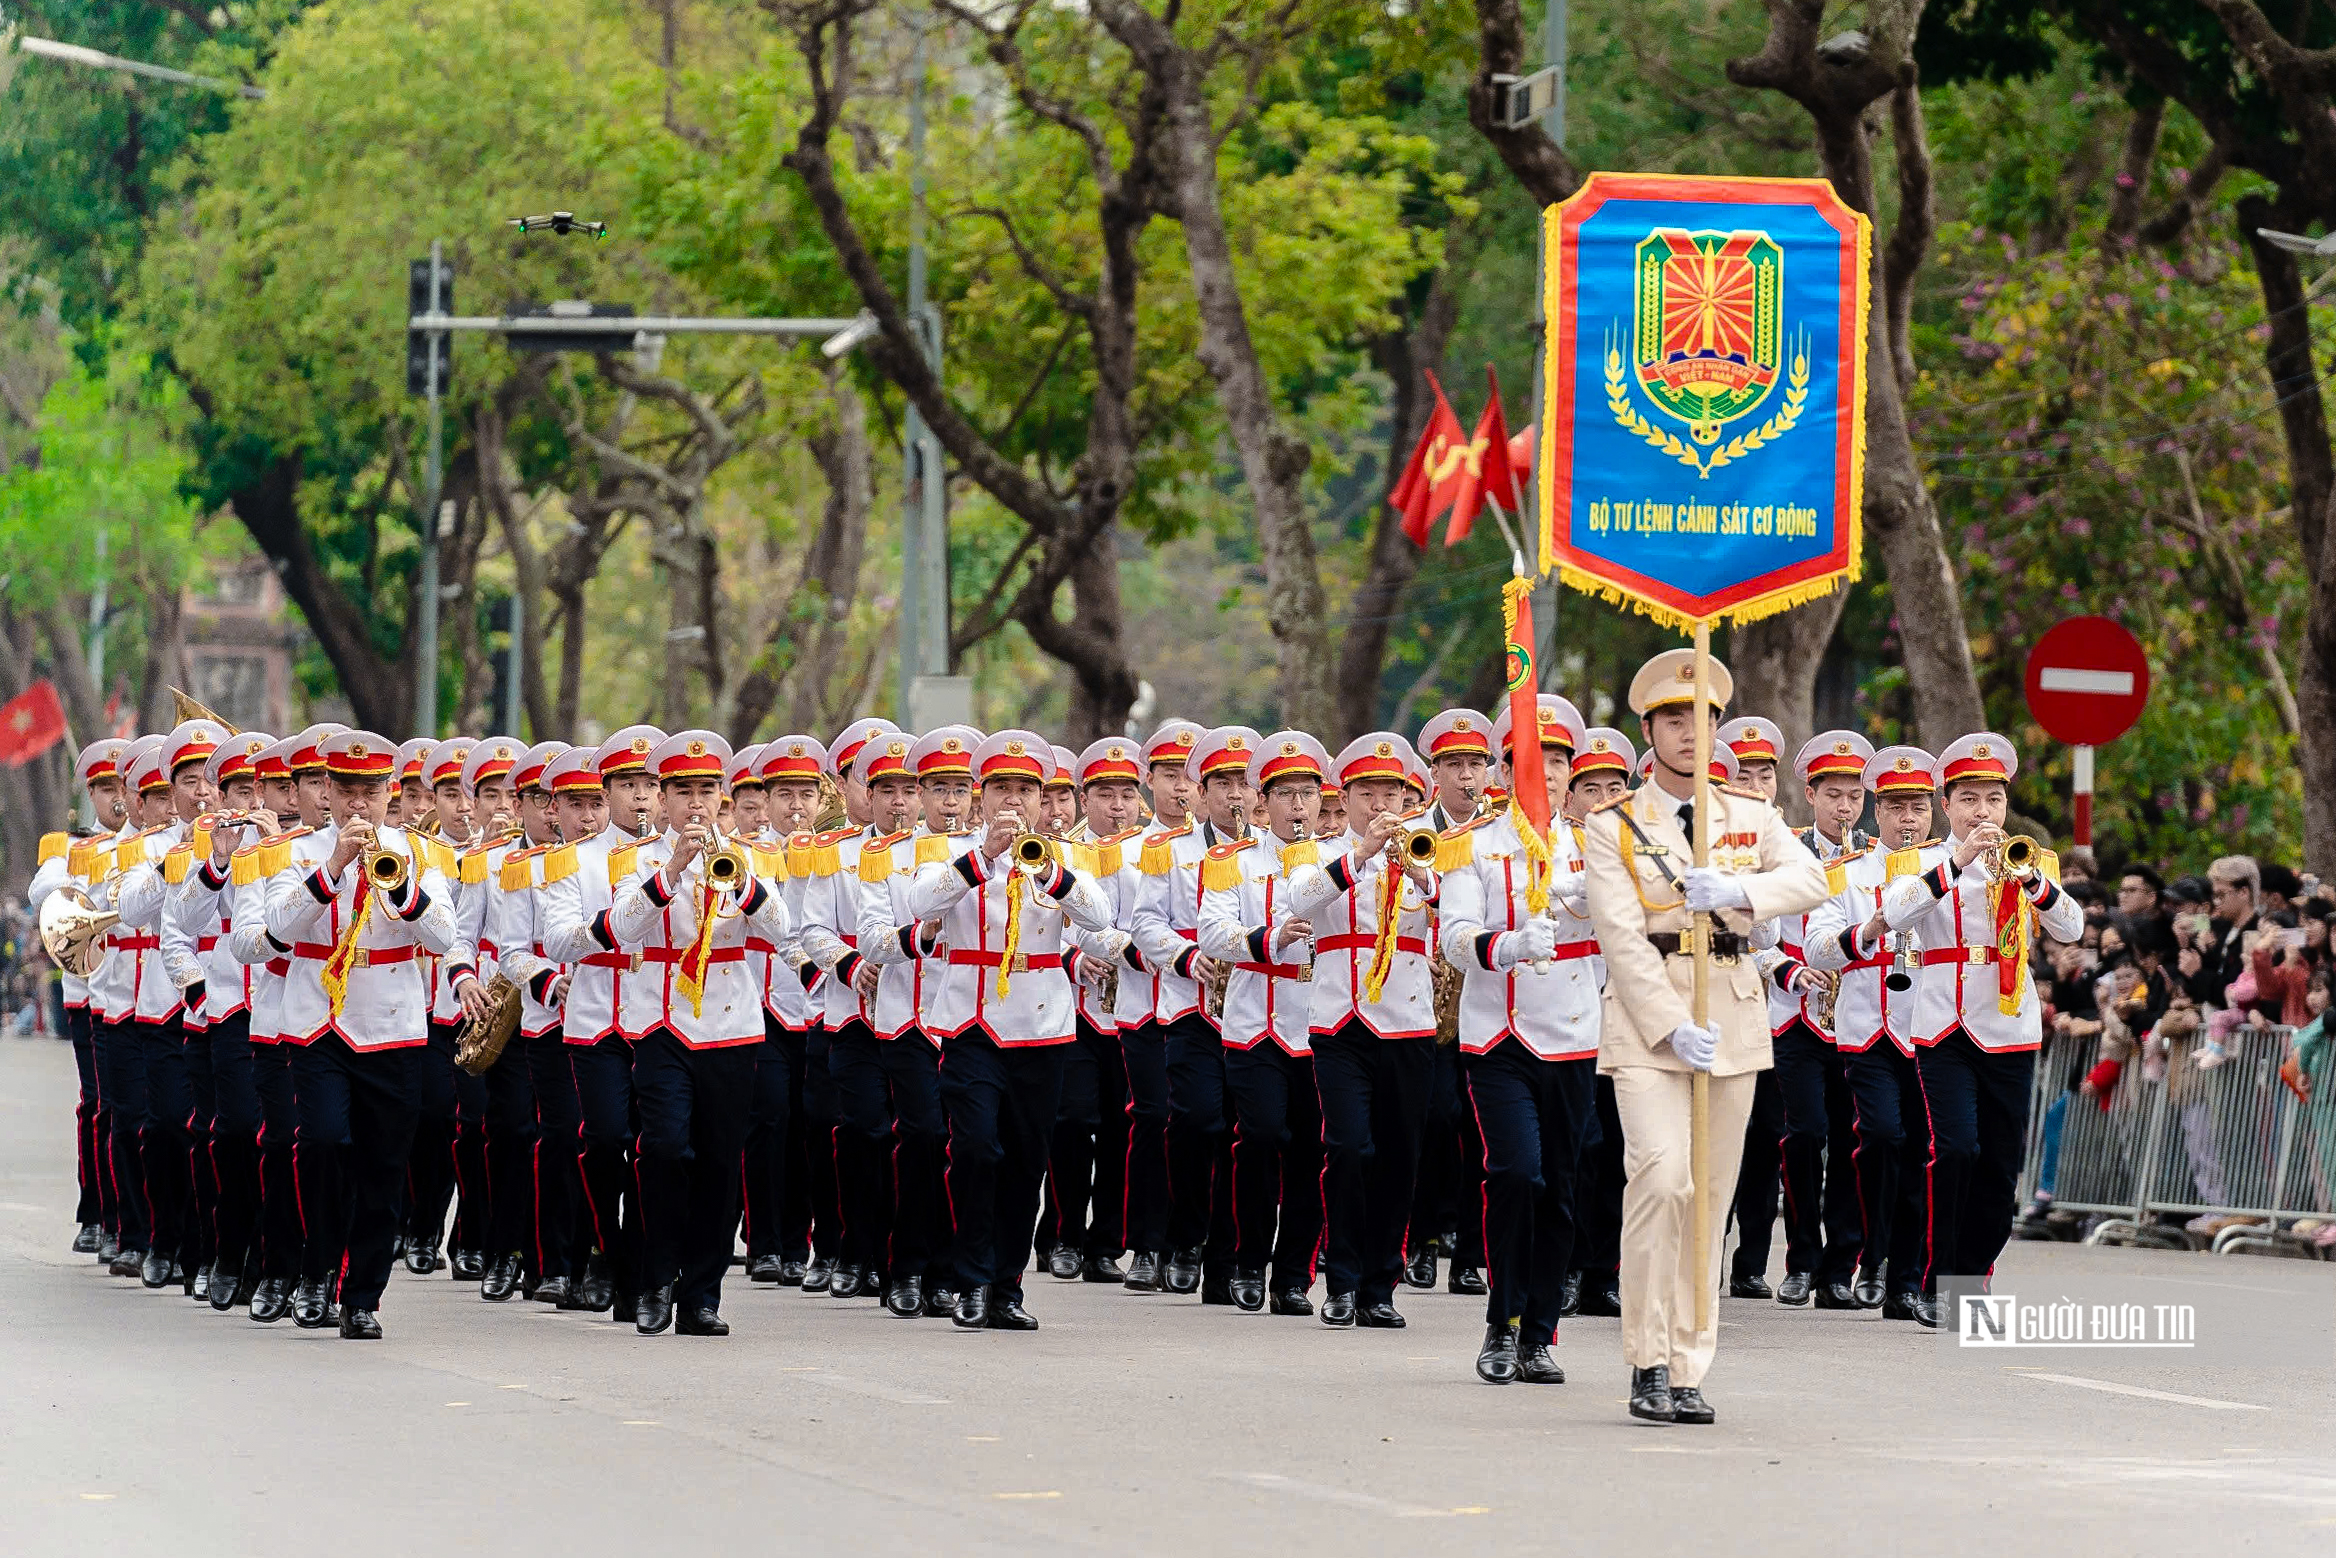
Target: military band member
pixel 1167 930
pixel 1142 1038
pixel 412 803
pixel 1003 1011
pixel 605 993
pixel 1602 768
pixel 1087 1168
pixel 1644 895
pixel 1824 1233
pixel 1755 745
pixel 1372 1020
pixel 1975 910
pixel 1248 924
pixel 784 774
pixel 1529 1041
pixel 1446 1205
pixel 119 1051
pixel 68 862
pixel 355 1004
pixel 1873 1031
pixel 450 1138
pixel 198 924
pixel 178 1083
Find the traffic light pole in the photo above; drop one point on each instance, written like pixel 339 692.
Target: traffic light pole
pixel 433 482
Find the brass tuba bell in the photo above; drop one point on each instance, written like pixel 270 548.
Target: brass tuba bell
pixel 73 931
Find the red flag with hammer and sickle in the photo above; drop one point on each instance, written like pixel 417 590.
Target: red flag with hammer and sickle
pixel 1416 492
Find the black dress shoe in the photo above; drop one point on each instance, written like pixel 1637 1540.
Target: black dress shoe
pixel 1143 1272
pixel 848 1282
pixel 597 1292
pixel 358 1325
pixel 85 1241
pixel 1216 1287
pixel 1868 1292
pixel 1248 1290
pixel 1569 1303
pixel 154 1271
pixel 1688 1406
pixel 1063 1263
pixel 700 1320
pixel 1007 1313
pixel 791 1272
pixel 1927 1312
pixel 906 1297
pixel 1793 1290
pixel 311 1311
pixel 762 1268
pixel 221 1291
pixel 1650 1394
pixel 1380 1316
pixel 1420 1270
pixel 198 1283
pixel 1183 1271
pixel 1339 1310
pixel 1101 1268
pixel 470 1265
pixel 1466 1280
pixel 270 1300
pixel 818 1274
pixel 501 1279
pixel 421 1256
pixel 1900 1304
pixel 1290 1301
pixel 558 1292
pixel 653 1310
pixel 1602 1298
pixel 973 1308
pixel 1836 1295
pixel 1750 1287
pixel 126 1263
pixel 1536 1367
pixel 1496 1360
pixel 940 1302
pixel 108 1246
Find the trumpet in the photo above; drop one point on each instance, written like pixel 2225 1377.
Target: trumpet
pixel 1905 958
pixel 1416 847
pixel 728 866
pixel 1031 853
pixel 2012 858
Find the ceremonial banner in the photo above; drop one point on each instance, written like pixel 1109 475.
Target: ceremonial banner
pixel 1703 447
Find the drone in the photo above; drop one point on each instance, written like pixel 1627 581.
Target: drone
pixel 561 222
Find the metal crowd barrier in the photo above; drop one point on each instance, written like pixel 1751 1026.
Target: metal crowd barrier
pixel 2226 1141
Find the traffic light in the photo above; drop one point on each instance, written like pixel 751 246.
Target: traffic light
pixel 419 301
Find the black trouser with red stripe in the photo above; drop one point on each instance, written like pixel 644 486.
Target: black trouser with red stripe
pixel 1535 1115
pixel 607 1121
pixel 511 1136
pixel 1145 1052
pixel 1001 1101
pixel 818 1223
pixel 1086 1165
pixel 1891 1160
pixel 562 1234
pixel 280 1228
pixel 1277 1163
pixel 771 1152
pixel 201 1239
pixel 1598 1194
pixel 356 1133
pixel 233 1158
pixel 89 1122
pixel 919 1245
pixel 1977 1100
pixel 430 1176
pixel 121 1074
pixel 1450 1192
pixel 863 1141
pixel 1374 1095
pixel 166 1142
pixel 1200 1164
pixel 1759 1182
pixel 1823 1231
pixel 693 1105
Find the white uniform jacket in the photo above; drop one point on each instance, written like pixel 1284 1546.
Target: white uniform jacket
pixel 1245 900
pixel 830 928
pixel 1341 896
pixel 1554 1011
pixel 1951 915
pixel 659 915
pixel 1013 988
pixel 787 970
pixel 1785 1004
pixel 200 914
pixel 1865 1008
pixel 890 935
pixel 250 874
pixel 65 862
pixel 166 960
pixel 1166 922
pixel 386 1002
pixel 514 926
pixel 1111 864
pixel 113 989
pixel 579 889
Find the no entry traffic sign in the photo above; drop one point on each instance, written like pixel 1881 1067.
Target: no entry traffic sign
pixel 2087 681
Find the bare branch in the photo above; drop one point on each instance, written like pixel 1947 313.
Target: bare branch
pixel 1066 300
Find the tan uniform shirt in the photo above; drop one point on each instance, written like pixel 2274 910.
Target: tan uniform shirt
pixel 1648 993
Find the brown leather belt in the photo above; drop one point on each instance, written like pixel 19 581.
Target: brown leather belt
pixel 1670 943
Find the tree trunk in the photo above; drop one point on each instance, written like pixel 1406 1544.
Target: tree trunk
pixel 1093 645
pixel 567 718
pixel 165 664
pixel 1774 662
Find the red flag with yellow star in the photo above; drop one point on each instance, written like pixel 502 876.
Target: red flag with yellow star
pixel 1415 493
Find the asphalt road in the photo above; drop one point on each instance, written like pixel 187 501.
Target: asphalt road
pixel 139 1421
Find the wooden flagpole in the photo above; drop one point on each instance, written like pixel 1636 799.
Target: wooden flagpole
pixel 1699 1116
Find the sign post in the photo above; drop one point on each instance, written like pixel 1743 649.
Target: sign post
pixel 1703 434
pixel 2087 681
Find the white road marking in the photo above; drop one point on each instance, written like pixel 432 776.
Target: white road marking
pixel 22 1206
pixel 1322 1493
pixel 2067 678
pixel 2144 1392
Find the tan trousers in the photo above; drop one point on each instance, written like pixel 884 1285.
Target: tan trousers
pixel 1658 1213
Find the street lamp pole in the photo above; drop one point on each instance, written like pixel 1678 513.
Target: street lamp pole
pixel 433 484
pixel 928 695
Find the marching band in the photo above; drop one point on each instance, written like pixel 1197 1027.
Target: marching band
pixel 911 1015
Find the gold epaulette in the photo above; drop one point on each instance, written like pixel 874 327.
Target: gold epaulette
pixel 178 863
pixel 933 849
pixel 1159 852
pixel 1836 875
pixel 243 867
pixel 876 856
pixel 1305 852
pixel 1902 862
pixel 53 847
pixel 83 860
pixel 518 870
pixel 1580 833
pixel 559 865
pixel 620 864
pixel 771 863
pixel 1456 847
pixel 799 848
pixel 2048 862
pixel 826 852
pixel 471 869
pixel 1220 868
pixel 1083 856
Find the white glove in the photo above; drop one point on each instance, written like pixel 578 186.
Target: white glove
pixel 1709 889
pixel 1699 1047
pixel 1531 942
